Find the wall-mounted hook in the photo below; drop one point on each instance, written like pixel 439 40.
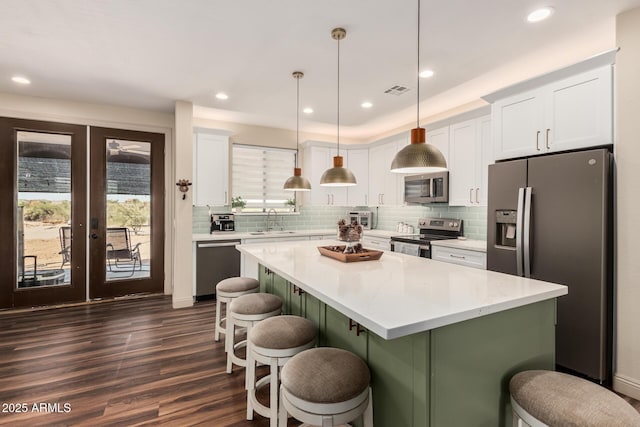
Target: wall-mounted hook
pixel 183 185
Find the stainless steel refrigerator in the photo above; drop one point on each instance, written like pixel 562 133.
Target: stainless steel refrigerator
pixel 550 218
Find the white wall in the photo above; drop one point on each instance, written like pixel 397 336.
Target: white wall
pixel 183 257
pixel 55 110
pixel 627 362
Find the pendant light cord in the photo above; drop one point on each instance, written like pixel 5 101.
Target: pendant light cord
pixel 297 119
pixel 338 97
pixel 418 73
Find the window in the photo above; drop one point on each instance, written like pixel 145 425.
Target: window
pixel 259 174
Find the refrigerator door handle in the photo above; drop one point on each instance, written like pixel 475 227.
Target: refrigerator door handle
pixel 526 232
pixel 519 221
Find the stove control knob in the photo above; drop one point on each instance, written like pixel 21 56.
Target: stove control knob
pixel 450 224
pixel 455 224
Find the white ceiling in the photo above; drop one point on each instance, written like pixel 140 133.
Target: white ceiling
pixel 149 53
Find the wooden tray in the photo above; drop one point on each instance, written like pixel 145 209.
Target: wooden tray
pixel 366 255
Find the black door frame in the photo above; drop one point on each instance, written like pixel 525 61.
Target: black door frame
pixel 98 285
pixel 10 296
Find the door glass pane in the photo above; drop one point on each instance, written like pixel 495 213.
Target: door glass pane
pixel 44 209
pixel 128 197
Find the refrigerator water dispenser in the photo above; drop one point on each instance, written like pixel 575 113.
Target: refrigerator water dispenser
pixel 506 228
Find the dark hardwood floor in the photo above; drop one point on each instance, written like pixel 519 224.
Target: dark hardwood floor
pixel 134 362
pixel 130 362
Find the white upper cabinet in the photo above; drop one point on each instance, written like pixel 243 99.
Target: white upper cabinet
pixel 469 157
pixel 440 138
pixel 357 160
pixel 211 163
pixel 384 185
pixel 573 112
pixel 318 159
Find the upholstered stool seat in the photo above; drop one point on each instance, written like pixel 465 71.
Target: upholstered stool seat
pixel 245 311
pixel 273 342
pixel 325 387
pixel 547 398
pixel 226 291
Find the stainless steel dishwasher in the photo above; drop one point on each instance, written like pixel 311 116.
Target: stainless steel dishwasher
pixel 215 261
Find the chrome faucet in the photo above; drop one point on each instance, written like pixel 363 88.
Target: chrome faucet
pixel 275 219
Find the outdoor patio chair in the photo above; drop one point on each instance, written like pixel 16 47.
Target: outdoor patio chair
pixel 120 251
pixel 65 245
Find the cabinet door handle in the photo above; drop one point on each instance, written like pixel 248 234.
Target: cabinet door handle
pixel 471 195
pixel 328 199
pixel 478 195
pixel 226 198
pixel 457 256
pixel 547 138
pixel 332 198
pixel 382 198
pixel 538 140
pixel 366 202
pixel 353 324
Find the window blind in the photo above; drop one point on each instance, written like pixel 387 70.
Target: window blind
pixel 259 174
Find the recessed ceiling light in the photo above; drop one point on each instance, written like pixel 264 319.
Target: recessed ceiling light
pixel 21 80
pixel 366 104
pixel 426 74
pixel 221 95
pixel 308 110
pixel 540 14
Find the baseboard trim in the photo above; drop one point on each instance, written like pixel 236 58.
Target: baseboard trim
pixel 182 302
pixel 627 386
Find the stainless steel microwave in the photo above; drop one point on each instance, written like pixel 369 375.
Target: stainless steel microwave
pixel 427 188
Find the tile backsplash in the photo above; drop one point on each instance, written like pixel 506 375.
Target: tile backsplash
pixel 323 217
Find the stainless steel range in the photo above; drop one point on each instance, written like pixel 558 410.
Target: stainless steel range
pixel 430 229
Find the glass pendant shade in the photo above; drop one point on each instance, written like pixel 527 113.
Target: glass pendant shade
pixel 297 182
pixel 338 176
pixel 418 157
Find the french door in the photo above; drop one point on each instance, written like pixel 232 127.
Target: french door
pixel 126 213
pixel 42 201
pixel 45 224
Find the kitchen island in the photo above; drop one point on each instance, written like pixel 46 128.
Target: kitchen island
pixel 441 340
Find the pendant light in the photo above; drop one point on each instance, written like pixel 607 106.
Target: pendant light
pixel 418 157
pixel 297 182
pixel 338 176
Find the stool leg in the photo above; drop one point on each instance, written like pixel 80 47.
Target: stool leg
pixel 282 411
pixel 229 338
pixel 218 308
pixel 273 403
pixel 250 381
pixel 367 415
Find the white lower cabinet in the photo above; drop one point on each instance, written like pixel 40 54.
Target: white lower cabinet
pixel 466 257
pixel 377 243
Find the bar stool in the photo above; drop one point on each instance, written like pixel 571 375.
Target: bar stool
pixel 273 342
pixel 325 387
pixel 544 398
pixel 226 291
pixel 245 311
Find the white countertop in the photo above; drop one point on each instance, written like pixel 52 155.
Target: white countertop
pixel 237 235
pixel 399 294
pixel 472 245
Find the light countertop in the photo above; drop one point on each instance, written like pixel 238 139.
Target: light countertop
pixel 399 294
pixel 237 235
pixel 472 245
